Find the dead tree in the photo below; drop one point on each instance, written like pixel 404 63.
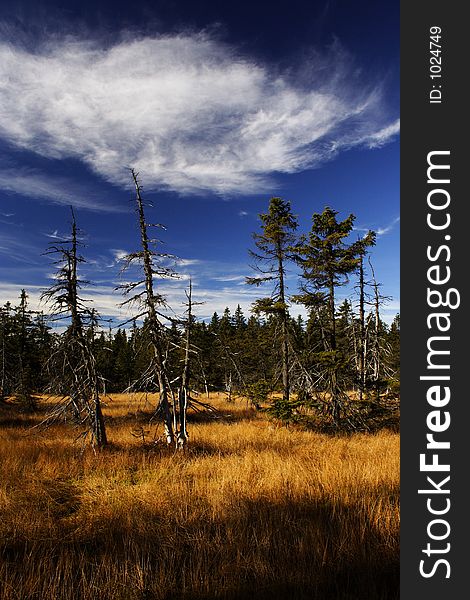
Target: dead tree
pixel 186 399
pixel 184 391
pixel 72 363
pixel 377 367
pixel 142 294
pixel 362 342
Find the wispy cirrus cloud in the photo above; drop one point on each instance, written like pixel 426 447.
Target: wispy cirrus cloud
pixel 186 262
pixel 186 110
pixel 380 230
pixel 381 137
pixel 388 228
pixel 59 190
pixel 240 278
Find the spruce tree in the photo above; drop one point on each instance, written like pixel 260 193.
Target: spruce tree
pixel 393 358
pixel 7 352
pixel 273 246
pixel 24 329
pixel 239 320
pixel 327 261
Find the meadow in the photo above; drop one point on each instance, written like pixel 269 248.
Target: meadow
pixel 250 509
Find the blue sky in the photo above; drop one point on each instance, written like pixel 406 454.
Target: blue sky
pixel 219 106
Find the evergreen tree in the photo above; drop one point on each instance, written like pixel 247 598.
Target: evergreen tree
pixel 347 342
pixel 214 323
pixel 123 370
pixel 273 245
pixel 41 350
pixel 326 260
pixel 24 384
pixel 239 320
pixel 393 359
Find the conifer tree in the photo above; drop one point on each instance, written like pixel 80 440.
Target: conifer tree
pixel 239 320
pixel 273 246
pixel 7 368
pixel 327 260
pixel 393 359
pixel 24 385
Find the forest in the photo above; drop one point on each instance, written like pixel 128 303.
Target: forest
pixel 168 457
pixel 339 368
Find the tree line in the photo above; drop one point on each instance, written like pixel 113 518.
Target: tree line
pixel 338 367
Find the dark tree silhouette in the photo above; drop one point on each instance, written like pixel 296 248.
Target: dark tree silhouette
pixel 72 364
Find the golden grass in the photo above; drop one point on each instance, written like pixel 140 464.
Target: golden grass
pixel 249 510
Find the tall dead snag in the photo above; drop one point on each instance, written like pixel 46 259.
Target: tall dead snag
pixel 148 301
pixel 362 330
pixel 183 396
pixel 378 369
pixel 186 400
pixel 72 363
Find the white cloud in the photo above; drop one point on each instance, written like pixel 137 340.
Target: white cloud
pixel 382 136
pixel 17 247
pixel 380 230
pixel 186 111
pixel 387 228
pixel 10 292
pixel 105 299
pixel 230 278
pixel 186 262
pixel 119 254
pixel 34 184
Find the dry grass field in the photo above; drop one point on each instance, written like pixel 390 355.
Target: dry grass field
pixel 249 510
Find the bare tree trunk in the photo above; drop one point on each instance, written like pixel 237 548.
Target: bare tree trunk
pixel 377 344
pixel 284 330
pixel 99 426
pixel 206 385
pixel 182 436
pixel 228 386
pixel 361 348
pixel 164 404
pixel 184 389
pixel 334 390
pixel 331 304
pixel 153 323
pixel 2 379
